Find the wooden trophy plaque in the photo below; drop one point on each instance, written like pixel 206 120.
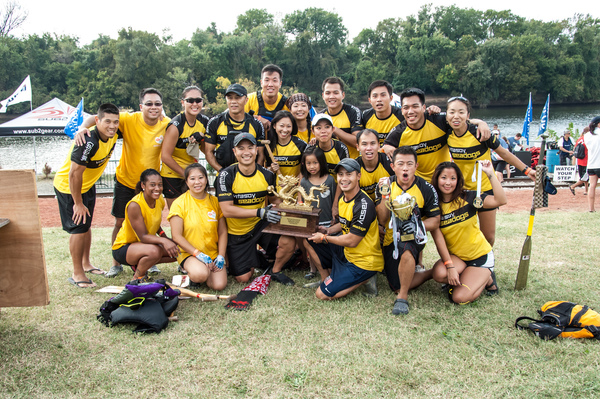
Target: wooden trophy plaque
pixel 298 217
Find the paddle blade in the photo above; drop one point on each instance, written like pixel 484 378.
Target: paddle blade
pixel 523 271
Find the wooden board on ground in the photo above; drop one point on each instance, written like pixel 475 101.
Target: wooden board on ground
pixel 24 280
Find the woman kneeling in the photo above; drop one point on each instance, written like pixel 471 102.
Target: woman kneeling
pixel 141 243
pixel 471 267
pixel 200 230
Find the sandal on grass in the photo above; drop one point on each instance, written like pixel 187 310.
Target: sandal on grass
pixel 96 271
pixel 78 284
pixel 494 291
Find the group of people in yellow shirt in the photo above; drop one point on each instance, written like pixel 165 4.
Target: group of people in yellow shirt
pixel 375 160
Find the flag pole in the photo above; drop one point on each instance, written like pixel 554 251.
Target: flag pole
pixel 34 151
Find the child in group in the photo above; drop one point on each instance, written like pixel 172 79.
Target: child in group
pixel 314 173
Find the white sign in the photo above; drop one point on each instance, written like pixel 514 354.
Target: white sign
pixel 565 173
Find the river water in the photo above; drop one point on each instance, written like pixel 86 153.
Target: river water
pixel 18 152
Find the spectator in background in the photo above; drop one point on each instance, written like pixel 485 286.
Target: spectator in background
pixel 581 166
pixel 565 148
pixel 514 143
pixel 592 143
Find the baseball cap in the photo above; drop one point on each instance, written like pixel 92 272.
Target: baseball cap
pixel 243 136
pixel 349 164
pixel 237 89
pixel 320 117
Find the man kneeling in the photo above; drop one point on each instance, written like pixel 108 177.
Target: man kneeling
pixel 356 254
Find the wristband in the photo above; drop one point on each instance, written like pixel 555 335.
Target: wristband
pixel 451 267
pixel 325 239
pixel 447 262
pixel 526 170
pixel 196 252
pixel 162 233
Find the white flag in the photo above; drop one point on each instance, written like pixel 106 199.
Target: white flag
pixel 22 94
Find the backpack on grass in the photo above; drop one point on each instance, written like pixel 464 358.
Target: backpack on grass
pixel 564 319
pixel 146 304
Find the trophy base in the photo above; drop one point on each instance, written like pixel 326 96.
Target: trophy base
pixel 295 222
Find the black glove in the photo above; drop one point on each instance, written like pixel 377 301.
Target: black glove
pixel 408 227
pixel 267 213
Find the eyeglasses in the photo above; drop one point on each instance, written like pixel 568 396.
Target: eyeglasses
pixel 193 100
pixel 149 104
pixel 461 98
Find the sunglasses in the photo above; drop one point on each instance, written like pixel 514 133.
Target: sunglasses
pixel 460 98
pixel 149 104
pixel 193 100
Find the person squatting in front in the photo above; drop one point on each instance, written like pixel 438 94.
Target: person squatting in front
pixel 355 256
pixel 471 266
pixel 405 240
pixel 141 243
pixel 199 228
pixel 242 191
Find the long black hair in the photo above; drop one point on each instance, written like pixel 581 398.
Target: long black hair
pixel 594 124
pixel 272 134
pixel 459 191
pixel 144 179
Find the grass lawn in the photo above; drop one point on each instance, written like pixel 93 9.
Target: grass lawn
pixel 291 345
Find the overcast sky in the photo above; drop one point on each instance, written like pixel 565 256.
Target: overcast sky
pixel 87 19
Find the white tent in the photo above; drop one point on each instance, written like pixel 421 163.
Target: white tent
pixel 49 119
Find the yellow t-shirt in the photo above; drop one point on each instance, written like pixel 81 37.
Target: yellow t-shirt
pixel 466 150
pixel 152 218
pixel 430 142
pixel 94 155
pixel 200 223
pixel 180 154
pixel 248 192
pixel 288 156
pixel 305 135
pixel 141 147
pixel 358 217
pixel 368 180
pixel 253 105
pixel 460 227
pixel 383 127
pixel 348 119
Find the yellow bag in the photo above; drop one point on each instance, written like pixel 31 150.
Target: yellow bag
pixel 564 319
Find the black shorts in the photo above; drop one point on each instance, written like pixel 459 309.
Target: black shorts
pixel 500 166
pixel 390 265
pixel 173 187
pixel 582 170
pixel 65 208
pixel 122 195
pixel 241 250
pixel 120 255
pixel 593 172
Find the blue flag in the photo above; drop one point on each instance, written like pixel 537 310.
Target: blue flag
pixel 544 117
pixel 75 121
pixel 528 118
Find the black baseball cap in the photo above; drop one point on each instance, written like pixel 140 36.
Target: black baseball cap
pixel 237 89
pixel 243 136
pixel 349 164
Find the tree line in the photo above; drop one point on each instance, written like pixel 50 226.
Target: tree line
pixel 491 57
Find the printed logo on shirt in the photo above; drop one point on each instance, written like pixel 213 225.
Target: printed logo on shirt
pixel 159 139
pixel 212 215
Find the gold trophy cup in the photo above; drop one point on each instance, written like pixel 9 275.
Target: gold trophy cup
pixel 402 207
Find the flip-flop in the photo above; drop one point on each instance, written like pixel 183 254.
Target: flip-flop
pixel 96 271
pixel 78 283
pixel 572 190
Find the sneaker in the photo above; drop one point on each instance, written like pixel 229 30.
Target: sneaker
pixel 400 307
pixel 153 270
pixel 371 287
pixel 282 278
pixel 114 271
pixel 419 268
